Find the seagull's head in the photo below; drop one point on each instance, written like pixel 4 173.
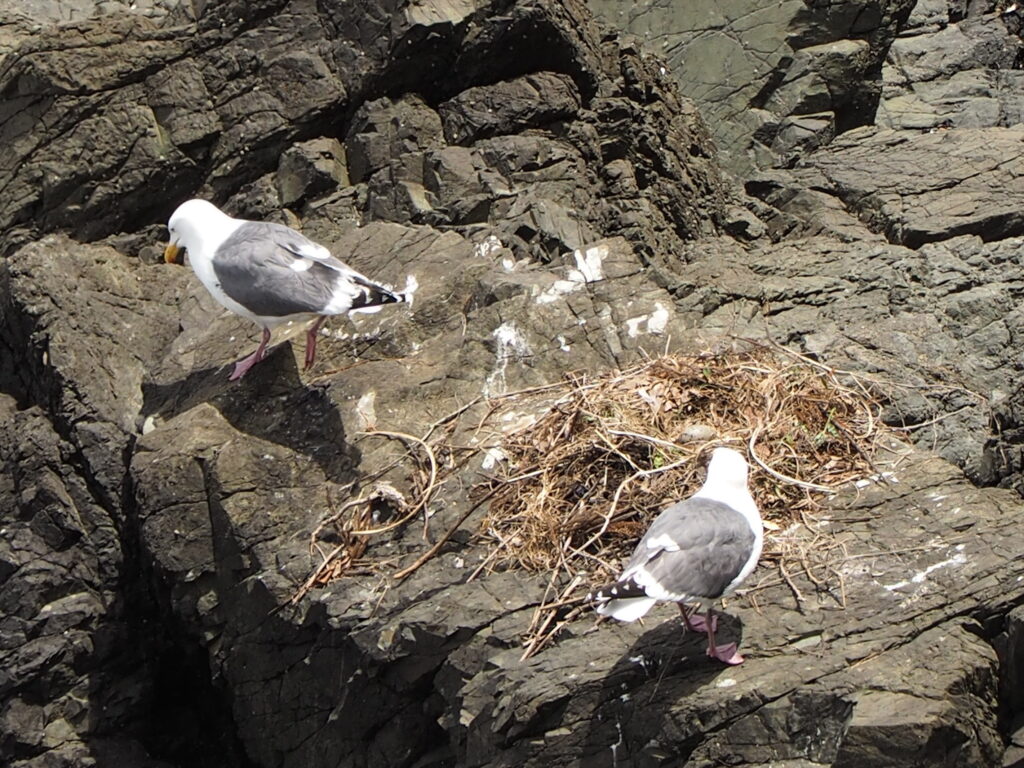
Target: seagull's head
pixel 727 469
pixel 193 224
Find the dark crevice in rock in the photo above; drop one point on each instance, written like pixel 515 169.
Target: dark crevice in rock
pixel 759 99
pixel 1009 645
pixel 11 382
pixel 1002 462
pixel 189 720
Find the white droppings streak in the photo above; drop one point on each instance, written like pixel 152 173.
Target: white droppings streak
pixel 589 269
pixel 557 290
pixel 658 320
pixel 490 246
pixel 366 410
pixel 884 476
pixel 591 263
pixel 641 660
pixel 492 456
pixel 511 346
pixel 958 559
pixel 615 747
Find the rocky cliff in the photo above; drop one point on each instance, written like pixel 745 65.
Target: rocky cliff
pixel 853 191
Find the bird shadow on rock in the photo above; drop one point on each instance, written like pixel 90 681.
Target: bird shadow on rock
pixel 271 402
pixel 666 665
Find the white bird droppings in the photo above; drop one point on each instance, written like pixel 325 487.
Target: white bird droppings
pixel 366 411
pixel 492 456
pixel 589 269
pixel 512 345
pixel 958 559
pixel 591 263
pixel 656 322
pixel 558 289
pixel 488 247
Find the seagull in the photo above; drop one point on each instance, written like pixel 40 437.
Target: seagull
pixel 270 274
pixel 697 551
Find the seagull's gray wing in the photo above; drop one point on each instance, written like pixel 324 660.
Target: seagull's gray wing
pixel 695 548
pixel 266 269
pixel 274 271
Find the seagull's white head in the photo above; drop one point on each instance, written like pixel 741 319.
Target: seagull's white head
pixel 727 482
pixel 727 470
pixel 196 226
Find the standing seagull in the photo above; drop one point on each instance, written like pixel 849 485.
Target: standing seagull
pixel 271 274
pixel 697 550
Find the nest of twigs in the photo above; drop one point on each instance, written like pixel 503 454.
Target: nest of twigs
pixel 583 482
pixel 589 476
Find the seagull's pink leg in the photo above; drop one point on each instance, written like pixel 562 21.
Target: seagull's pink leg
pixel 311 341
pixel 686 616
pixel 724 653
pixel 242 366
pixel 694 621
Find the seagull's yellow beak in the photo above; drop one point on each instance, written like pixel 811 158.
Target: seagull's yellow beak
pixel 173 254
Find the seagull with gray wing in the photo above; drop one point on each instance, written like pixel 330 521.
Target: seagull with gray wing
pixel 270 274
pixel 696 551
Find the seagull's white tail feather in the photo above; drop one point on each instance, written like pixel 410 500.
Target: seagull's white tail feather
pixel 354 293
pixel 411 284
pixel 367 310
pixel 630 609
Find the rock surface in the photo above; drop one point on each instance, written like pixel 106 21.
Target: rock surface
pixel 562 208
pixel 776 80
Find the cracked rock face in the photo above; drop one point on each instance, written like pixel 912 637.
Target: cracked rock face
pixel 562 209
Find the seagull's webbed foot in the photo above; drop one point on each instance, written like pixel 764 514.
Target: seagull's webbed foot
pixel 242 366
pixel 725 653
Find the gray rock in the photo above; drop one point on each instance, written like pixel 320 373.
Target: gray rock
pixel 311 169
pixel 531 101
pixel 123 327
pixel 771 79
pixel 386 129
pixel 70 669
pixel 952 75
pixel 562 210
pixel 938 185
pixel 933 320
